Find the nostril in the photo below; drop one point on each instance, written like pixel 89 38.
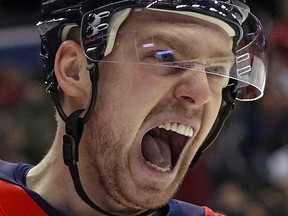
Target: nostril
pixel 188 99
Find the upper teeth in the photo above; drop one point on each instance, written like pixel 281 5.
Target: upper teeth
pixel 178 128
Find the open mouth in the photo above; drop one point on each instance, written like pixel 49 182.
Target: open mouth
pixel 162 145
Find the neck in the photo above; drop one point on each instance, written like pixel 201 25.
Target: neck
pixel 52 181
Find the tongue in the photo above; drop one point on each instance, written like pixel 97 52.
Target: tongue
pixel 156 151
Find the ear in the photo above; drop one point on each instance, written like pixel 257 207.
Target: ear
pixel 71 72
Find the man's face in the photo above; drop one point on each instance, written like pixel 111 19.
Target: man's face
pixel 149 119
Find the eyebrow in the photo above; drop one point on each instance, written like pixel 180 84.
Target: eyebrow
pixel 176 44
pixel 172 42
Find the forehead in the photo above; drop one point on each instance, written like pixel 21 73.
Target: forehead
pixel 190 31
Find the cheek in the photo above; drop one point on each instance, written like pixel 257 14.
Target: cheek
pixel 123 101
pixel 131 89
pixel 210 114
pixel 214 106
pixel 149 84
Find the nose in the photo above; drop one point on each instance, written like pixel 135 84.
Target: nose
pixel 193 87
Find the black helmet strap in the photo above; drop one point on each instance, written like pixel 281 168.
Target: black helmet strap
pixel 228 97
pixel 74 130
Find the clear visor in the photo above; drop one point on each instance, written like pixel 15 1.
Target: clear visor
pixel 169 43
pixel 251 61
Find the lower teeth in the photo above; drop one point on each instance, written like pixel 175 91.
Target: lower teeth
pixel 162 169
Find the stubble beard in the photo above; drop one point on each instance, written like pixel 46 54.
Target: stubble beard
pixel 111 163
pixel 109 151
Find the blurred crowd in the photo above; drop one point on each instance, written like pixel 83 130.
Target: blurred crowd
pixel 245 172
pixel 26 116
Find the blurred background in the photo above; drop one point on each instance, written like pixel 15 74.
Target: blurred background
pixel 245 172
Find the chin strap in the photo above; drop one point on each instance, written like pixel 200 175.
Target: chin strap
pixel 228 97
pixel 74 130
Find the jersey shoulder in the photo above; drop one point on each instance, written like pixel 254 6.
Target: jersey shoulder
pixel 15 201
pixel 178 207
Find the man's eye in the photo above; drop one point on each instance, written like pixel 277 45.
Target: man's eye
pixel 216 70
pixel 165 56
